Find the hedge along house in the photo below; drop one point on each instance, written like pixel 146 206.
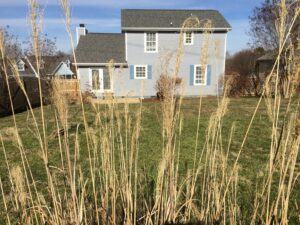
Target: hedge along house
pixel 147 36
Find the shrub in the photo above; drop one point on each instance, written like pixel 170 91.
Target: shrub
pixel 166 86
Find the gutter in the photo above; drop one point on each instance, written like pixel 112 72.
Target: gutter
pixel 99 64
pixel 172 29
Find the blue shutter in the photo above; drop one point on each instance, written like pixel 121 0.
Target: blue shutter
pixel 208 79
pixel 131 72
pixel 149 72
pixel 191 75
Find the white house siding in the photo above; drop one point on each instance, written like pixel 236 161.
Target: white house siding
pixel 168 42
pixel 123 85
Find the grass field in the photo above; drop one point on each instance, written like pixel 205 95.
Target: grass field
pixel 239 115
pixel 252 164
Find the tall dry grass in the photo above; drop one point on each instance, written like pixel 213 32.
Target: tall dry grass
pixel 109 186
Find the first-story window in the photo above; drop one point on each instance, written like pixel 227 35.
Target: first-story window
pixel 151 42
pixel 200 75
pixel 188 38
pixel 140 72
pixel 95 80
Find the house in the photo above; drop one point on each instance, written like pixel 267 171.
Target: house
pixel 265 63
pixel 137 52
pixel 50 67
pixel 63 70
pixel 25 68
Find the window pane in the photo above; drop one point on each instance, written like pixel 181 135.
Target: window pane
pixel 151 42
pixel 140 71
pixel 200 75
pixel 106 80
pixel 20 67
pixel 95 80
pixel 188 37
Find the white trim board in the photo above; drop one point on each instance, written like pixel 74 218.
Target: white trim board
pixel 172 28
pixel 126 50
pixel 100 64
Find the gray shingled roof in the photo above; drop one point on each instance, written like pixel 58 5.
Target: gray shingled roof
pixel 169 18
pixel 101 48
pixel 50 63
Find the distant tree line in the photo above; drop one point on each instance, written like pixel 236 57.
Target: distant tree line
pixel 269 26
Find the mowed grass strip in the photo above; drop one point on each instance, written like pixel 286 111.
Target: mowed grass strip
pixel 252 163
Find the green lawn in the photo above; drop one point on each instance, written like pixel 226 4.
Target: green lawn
pixel 240 111
pixel 253 161
pixel 239 114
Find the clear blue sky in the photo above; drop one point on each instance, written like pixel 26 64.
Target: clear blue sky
pixel 104 16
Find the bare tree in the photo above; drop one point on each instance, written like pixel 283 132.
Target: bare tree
pixel 47 46
pixel 264 23
pixel 242 67
pixel 13 48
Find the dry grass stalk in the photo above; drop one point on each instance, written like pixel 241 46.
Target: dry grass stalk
pixel 111 191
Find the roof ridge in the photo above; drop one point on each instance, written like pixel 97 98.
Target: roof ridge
pixel 171 10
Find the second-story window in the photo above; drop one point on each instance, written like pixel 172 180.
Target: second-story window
pixel 151 42
pixel 188 38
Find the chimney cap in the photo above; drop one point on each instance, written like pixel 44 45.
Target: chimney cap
pixel 81 25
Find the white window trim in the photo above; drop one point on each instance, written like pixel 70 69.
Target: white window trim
pixel 20 62
pixel 205 76
pixel 192 38
pixel 126 50
pixel 146 72
pixel 145 43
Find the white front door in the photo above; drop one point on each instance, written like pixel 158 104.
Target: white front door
pixel 101 82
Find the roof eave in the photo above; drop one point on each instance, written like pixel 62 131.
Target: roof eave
pixel 173 29
pixel 99 64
